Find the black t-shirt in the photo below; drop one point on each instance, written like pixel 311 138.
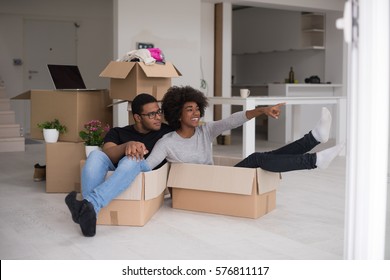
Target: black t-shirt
pixel 120 135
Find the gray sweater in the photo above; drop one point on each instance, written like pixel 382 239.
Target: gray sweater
pixel 196 149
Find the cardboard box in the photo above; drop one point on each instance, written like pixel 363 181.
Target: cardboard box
pixel 63 166
pixel 139 202
pixel 71 108
pixel 129 79
pixel 226 190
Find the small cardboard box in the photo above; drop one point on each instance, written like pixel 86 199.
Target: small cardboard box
pixel 129 79
pixel 226 190
pixel 139 202
pixel 63 166
pixel 71 108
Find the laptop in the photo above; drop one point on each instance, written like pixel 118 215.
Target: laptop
pixel 67 77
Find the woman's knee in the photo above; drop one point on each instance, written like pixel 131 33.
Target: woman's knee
pixel 255 160
pixel 255 156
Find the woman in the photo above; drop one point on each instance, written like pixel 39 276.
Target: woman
pixel 184 106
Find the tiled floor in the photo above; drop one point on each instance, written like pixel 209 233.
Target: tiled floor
pixel 308 222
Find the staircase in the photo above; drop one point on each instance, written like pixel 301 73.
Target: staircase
pixel 10 139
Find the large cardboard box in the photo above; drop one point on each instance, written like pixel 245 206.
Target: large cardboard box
pixel 71 108
pixel 139 202
pixel 128 79
pixel 63 166
pixel 226 190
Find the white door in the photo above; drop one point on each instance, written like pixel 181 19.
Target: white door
pixel 45 42
pixel 366 29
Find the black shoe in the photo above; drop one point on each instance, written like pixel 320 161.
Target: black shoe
pixel 39 172
pixel 87 219
pixel 74 206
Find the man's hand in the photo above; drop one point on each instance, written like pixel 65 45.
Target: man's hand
pixel 135 150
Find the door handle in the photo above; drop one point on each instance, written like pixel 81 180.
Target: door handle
pixel 33 71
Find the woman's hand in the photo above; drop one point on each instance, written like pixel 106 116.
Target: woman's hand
pixel 135 150
pixel 273 111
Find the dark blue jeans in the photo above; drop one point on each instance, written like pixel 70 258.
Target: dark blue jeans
pixel 291 157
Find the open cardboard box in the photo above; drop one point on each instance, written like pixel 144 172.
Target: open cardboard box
pixel 223 189
pixel 139 202
pixel 128 79
pixel 71 108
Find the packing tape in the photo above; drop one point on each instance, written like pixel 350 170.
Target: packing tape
pixel 77 187
pixel 114 217
pixel 154 91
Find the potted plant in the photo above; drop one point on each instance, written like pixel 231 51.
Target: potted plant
pixel 52 130
pixel 93 135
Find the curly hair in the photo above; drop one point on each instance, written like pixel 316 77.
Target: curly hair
pixel 173 102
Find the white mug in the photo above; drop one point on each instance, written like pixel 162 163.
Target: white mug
pixel 244 92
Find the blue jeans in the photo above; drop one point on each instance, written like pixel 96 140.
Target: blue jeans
pixel 99 191
pixel 291 157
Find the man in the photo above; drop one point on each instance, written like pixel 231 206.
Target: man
pixel 134 141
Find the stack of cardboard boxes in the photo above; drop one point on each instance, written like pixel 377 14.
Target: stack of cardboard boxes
pixel 145 195
pixel 73 109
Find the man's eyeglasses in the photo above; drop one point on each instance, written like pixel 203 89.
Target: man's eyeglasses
pixel 152 115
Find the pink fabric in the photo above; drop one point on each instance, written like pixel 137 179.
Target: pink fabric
pixel 156 54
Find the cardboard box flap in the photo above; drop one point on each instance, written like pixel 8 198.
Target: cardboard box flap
pixel 117 69
pixel 134 191
pixel 24 95
pixel 177 70
pixel 156 181
pixel 120 102
pixel 267 181
pixel 160 70
pixel 212 178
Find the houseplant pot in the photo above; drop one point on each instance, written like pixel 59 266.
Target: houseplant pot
pixel 52 130
pixel 93 135
pixel 89 149
pixel 51 135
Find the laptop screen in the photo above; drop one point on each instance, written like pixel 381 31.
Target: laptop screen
pixel 66 76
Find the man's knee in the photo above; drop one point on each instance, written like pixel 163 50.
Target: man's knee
pixel 97 155
pixel 127 163
pixel 95 160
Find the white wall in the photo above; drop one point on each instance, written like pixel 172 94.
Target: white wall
pixel 11 46
pixel 330 5
pixel 172 25
pixel 207 48
pixel 334 50
pixel 267 35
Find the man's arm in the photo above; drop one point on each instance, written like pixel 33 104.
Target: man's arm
pixel 132 149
